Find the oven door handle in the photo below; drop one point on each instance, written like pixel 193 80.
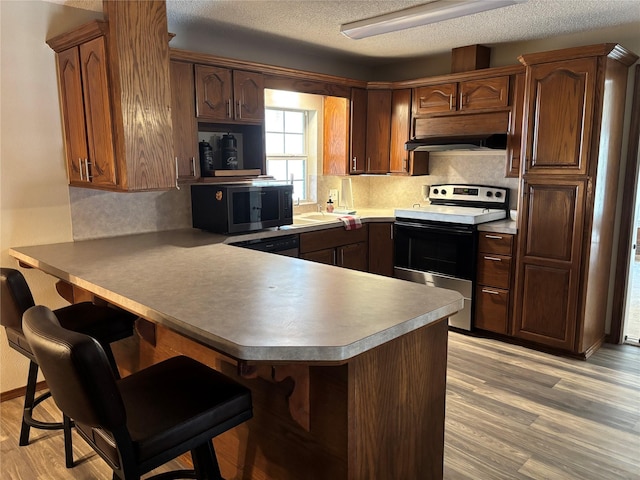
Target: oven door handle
pixel 435 228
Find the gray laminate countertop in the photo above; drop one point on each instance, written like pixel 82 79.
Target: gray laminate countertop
pixel 250 305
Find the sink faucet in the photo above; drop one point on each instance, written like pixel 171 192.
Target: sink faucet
pixel 320 209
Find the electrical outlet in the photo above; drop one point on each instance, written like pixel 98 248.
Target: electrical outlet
pixel 333 195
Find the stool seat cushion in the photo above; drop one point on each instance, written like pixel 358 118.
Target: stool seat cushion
pixel 170 403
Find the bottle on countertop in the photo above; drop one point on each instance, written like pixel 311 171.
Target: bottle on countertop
pixel 330 206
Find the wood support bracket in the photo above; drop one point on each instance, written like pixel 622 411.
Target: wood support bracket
pixel 299 398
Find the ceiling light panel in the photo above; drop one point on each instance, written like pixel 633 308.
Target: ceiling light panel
pixel 433 12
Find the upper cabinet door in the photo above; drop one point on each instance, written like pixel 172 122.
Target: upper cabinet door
pixel 435 98
pixel 357 162
pixel 248 91
pixel 214 89
pixel 75 130
pixel 97 107
pixel 560 116
pixel 183 117
pixel 485 93
pixel 378 130
pixel 400 130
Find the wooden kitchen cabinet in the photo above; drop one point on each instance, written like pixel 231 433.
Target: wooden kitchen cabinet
pixel 560 118
pixel 465 95
pixel 116 101
pixel 183 116
pixel 370 131
pixel 337 246
pixel 573 134
pixel 226 95
pixel 86 118
pixel 381 248
pixel 493 282
pixel 514 139
pixel 400 131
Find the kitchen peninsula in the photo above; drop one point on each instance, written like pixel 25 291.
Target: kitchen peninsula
pixel 347 369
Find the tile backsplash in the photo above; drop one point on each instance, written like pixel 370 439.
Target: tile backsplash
pixel 97 214
pixel 384 191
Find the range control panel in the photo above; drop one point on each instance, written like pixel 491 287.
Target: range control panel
pixel 466 194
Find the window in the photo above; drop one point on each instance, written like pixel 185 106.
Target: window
pixel 287 147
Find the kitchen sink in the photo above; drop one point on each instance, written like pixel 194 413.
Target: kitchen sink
pixel 315 218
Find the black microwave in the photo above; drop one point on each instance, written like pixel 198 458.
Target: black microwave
pixel 241 208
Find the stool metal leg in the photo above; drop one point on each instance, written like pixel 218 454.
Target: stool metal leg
pixel 29 398
pixel 205 462
pixel 68 446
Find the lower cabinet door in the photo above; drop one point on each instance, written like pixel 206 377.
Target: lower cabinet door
pixel 492 307
pixel 327 256
pixel 354 256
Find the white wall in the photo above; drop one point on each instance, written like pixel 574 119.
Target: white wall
pixel 34 197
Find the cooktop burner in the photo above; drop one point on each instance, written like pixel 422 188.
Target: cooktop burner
pixel 465 204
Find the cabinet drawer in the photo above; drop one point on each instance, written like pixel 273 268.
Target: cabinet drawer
pixel 499 243
pixel 494 270
pixel 332 238
pixel 492 306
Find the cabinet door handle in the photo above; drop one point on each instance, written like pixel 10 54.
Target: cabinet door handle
pixel 492 292
pixel 239 111
pixel 334 257
pixel 496 237
pixel 368 163
pixel 391 231
pixel 494 259
pixel 229 108
pixel 404 165
pixel 354 164
pixel 451 101
pixel 86 169
pixel 80 168
pixel 193 166
pixel 342 257
pixel 177 186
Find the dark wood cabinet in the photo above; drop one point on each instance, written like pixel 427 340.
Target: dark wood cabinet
pixel 484 93
pixel 183 117
pixel 514 139
pixel 550 260
pixel 560 118
pixel 226 95
pixel 435 99
pixel 337 246
pixel 115 99
pixel 358 131
pixel 378 131
pixel 400 131
pixel 573 114
pixel 493 282
pixel 381 248
pixel 370 131
pixel 86 114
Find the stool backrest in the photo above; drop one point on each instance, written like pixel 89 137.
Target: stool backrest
pixel 77 371
pixel 15 297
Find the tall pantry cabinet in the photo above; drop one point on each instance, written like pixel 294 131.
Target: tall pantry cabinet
pixel 574 110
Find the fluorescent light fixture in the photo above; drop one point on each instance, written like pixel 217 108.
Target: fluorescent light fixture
pixel 433 12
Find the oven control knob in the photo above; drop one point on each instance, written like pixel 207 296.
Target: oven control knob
pixel 444 192
pixel 498 194
pixel 489 194
pixel 435 191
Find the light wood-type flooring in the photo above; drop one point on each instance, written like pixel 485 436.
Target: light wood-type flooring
pixel 512 413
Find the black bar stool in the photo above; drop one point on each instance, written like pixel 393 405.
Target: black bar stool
pixel 146 419
pixel 103 323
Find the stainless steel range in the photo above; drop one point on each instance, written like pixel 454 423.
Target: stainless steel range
pixel 436 244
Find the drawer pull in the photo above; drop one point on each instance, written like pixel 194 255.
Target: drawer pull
pixel 492 292
pixel 494 259
pixel 495 237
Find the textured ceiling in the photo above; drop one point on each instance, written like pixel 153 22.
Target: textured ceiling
pixel 316 23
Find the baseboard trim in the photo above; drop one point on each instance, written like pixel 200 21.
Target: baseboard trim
pixel 20 392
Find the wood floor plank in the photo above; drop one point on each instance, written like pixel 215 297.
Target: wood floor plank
pixel 512 413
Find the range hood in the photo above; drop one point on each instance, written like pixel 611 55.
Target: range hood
pixel 463 131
